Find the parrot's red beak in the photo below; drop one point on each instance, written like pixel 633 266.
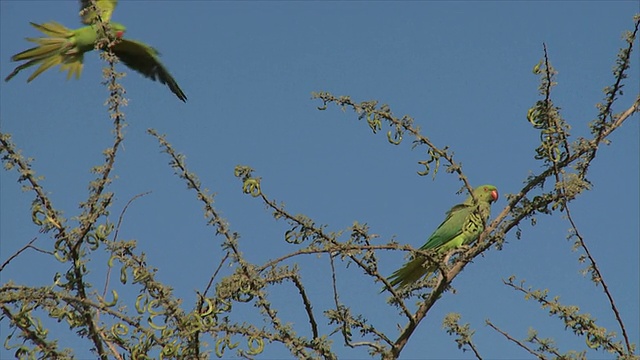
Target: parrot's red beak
pixel 119 34
pixel 494 195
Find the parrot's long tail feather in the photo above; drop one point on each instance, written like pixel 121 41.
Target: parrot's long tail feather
pixel 411 272
pixel 56 49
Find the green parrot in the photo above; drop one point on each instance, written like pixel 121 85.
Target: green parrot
pixel 463 224
pixel 66 47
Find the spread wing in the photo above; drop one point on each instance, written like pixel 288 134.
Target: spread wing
pixel 144 59
pixel 105 7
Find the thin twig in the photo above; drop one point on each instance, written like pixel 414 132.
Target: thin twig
pixel 307 306
pixel 215 273
pixel 15 255
pixel 517 342
pixel 600 280
pixel 336 300
pixel 115 237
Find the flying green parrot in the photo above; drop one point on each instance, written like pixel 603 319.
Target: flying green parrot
pixel 66 47
pixel 462 226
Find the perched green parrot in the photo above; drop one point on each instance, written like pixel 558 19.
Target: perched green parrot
pixel 66 47
pixel 463 224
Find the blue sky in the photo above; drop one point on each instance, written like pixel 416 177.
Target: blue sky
pixel 461 69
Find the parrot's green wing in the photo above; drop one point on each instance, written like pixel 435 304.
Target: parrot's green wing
pixel 144 59
pixel 88 14
pixel 450 227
